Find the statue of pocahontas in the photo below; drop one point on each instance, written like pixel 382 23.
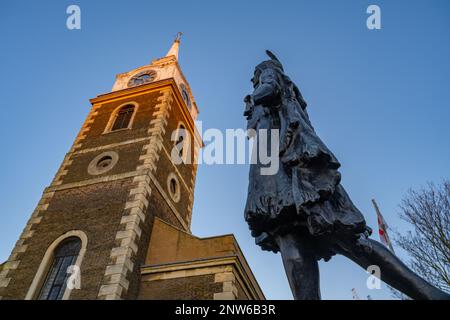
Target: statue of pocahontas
pixel 302 210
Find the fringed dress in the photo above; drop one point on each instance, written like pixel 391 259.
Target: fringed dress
pixel 305 195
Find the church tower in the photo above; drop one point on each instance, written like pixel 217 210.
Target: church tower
pixel 123 193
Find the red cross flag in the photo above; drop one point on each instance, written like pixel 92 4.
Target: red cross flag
pixel 382 228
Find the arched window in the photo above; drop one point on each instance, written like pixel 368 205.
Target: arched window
pixel 185 95
pixel 180 141
pixel 181 150
pixel 65 255
pixel 123 117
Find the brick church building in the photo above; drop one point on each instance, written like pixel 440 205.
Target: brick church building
pixel 119 210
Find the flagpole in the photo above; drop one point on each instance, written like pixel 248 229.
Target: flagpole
pixel 355 294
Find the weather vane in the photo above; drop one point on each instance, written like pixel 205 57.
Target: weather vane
pixel 178 36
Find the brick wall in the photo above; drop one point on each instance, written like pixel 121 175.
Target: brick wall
pixel 95 136
pixel 128 161
pixel 195 288
pixel 96 210
pixel 75 202
pixel 185 172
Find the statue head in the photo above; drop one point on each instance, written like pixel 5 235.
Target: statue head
pixel 276 66
pixel 273 63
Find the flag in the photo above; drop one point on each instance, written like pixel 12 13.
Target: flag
pixel 382 228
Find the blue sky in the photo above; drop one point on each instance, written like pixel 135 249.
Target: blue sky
pixel 379 99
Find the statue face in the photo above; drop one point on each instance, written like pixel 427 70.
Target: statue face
pixel 255 79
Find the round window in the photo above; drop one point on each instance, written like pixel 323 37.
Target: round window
pixel 103 163
pixel 173 187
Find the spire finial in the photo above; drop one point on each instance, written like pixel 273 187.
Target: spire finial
pixel 175 46
pixel 178 36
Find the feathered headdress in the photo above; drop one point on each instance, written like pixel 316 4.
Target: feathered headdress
pixel 273 57
pixel 274 60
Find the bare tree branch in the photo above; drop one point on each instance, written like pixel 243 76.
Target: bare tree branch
pixel 428 244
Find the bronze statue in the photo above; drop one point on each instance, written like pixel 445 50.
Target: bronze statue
pixel 302 210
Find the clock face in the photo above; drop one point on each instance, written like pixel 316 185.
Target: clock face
pixel 142 78
pixel 185 95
